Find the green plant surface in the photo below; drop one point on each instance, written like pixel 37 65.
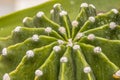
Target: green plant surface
pixel 60 48
pixel 9 22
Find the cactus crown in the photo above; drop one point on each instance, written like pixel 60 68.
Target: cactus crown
pixel 57 49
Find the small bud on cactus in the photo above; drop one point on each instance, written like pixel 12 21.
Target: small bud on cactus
pixel 86 48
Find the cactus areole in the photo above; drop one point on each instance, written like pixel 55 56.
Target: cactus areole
pixel 87 48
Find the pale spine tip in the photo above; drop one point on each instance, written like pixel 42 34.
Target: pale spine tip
pixel 30 53
pixel 118 73
pixel 115 11
pixel 87 70
pixel 56 5
pixel 79 35
pixel 56 48
pixel 17 29
pixel 4 51
pixel 112 25
pixel 91 37
pixel 60 42
pixel 97 50
pixel 25 19
pixel 75 23
pixel 51 11
pixel 92 19
pixel 84 5
pixel 6 76
pixel 35 37
pixel 40 14
pixel 91 5
pixel 62 30
pixel 76 47
pixel 38 73
pixel 63 13
pixel 48 29
pixel 70 43
pixel 63 59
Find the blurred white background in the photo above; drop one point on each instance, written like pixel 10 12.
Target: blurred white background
pixel 8 6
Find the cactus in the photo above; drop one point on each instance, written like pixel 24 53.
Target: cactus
pixel 57 49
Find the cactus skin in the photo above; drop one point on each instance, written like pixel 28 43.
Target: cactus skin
pixel 58 49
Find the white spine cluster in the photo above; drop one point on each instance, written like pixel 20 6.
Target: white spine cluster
pixel 91 5
pixel 4 51
pixel 92 19
pixel 51 11
pixel 91 37
pixel 70 43
pixel 115 11
pixel 79 35
pixel 76 47
pixel 62 30
pixel 64 59
pixel 112 25
pixel 40 14
pixel 56 48
pixel 63 13
pixel 84 5
pixel 30 53
pixel 56 5
pixel 60 42
pixel 87 70
pixel 35 37
pixel 48 29
pixel 75 23
pixel 17 29
pixel 6 76
pixel 97 50
pixel 38 73
pixel 25 19
pixel 117 73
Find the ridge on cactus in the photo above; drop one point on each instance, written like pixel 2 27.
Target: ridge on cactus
pixel 87 48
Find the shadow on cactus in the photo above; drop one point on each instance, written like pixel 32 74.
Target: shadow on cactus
pixel 87 48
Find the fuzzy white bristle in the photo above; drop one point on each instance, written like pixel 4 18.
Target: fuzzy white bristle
pixel 97 50
pixel 79 35
pixel 63 13
pixel 56 5
pixel 76 47
pixel 60 42
pixel 70 43
pixel 48 29
pixel 6 76
pixel 91 5
pixel 30 53
pixel 115 11
pixel 51 11
pixel 40 14
pixel 17 29
pixel 117 73
pixel 38 73
pixel 62 30
pixel 56 48
pixel 112 25
pixel 25 19
pixel 35 37
pixel 4 51
pixel 92 19
pixel 87 70
pixel 84 5
pixel 91 37
pixel 75 23
pixel 64 59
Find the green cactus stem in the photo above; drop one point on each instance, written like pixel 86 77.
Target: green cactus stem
pixel 87 48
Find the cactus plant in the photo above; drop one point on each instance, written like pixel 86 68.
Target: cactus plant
pixel 86 48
